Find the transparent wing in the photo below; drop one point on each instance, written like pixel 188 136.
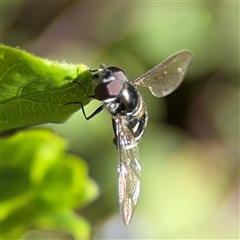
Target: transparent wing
pixel 166 77
pixel 129 171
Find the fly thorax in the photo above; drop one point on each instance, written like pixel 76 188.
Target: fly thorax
pixel 129 99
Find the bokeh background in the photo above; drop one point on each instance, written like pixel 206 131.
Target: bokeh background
pixel 190 150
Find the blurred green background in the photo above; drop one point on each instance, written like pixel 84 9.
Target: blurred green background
pixel 190 150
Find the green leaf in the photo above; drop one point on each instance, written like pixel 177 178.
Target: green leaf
pixel 35 90
pixel 41 185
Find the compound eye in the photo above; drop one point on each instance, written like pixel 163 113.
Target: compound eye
pixel 107 90
pixel 112 88
pixel 118 73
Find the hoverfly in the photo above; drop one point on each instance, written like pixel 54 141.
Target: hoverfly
pixel 129 116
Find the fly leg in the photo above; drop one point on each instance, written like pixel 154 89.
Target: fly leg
pixel 98 110
pixel 114 130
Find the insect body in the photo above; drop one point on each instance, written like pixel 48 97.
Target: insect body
pixel 129 116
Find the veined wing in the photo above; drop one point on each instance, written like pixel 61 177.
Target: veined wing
pixel 166 77
pixel 129 170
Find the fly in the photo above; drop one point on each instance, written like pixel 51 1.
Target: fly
pixel 129 116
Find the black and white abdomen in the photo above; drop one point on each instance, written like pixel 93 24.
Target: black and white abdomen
pixel 138 121
pixel 130 107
